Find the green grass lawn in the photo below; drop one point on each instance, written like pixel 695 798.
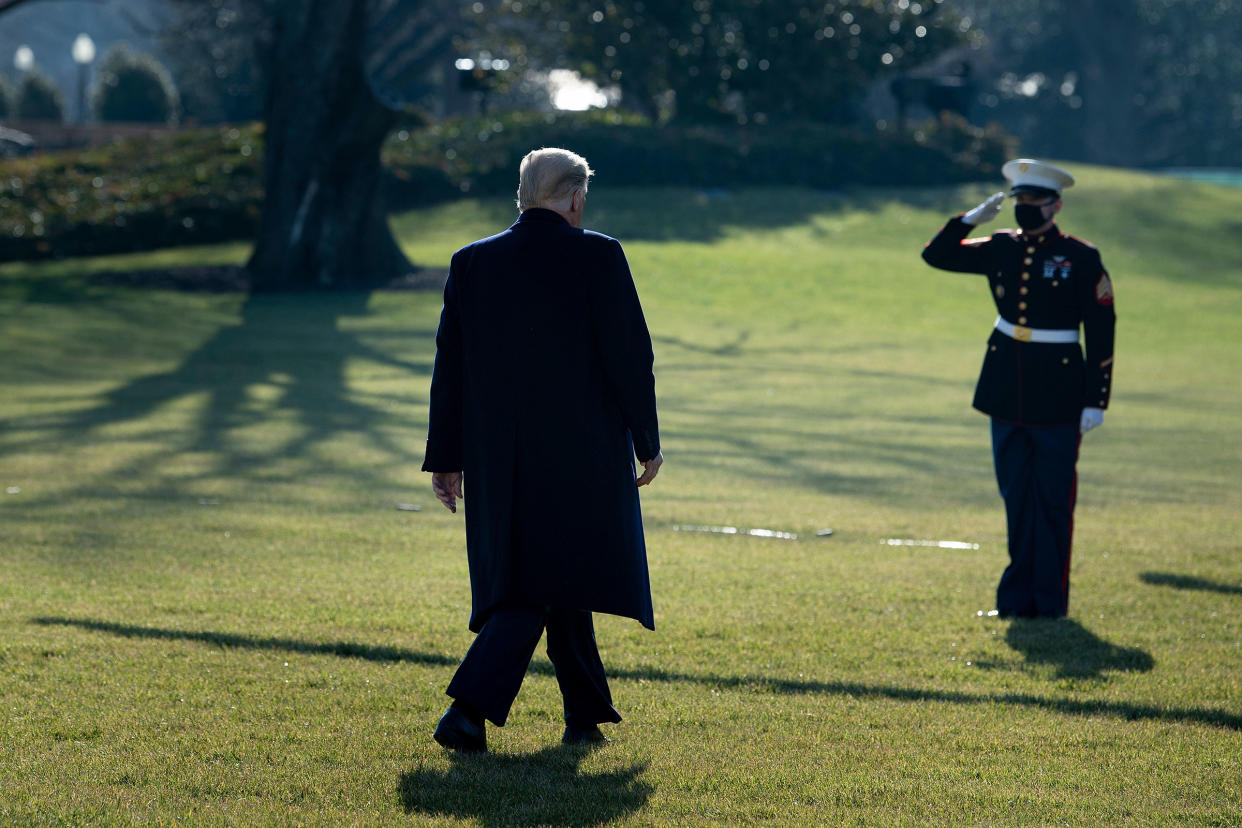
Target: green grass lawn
pixel 219 606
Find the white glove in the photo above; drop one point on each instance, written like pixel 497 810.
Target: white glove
pixel 1091 417
pixel 986 211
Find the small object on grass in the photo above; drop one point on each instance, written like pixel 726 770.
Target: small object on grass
pixel 409 507
pixel 13 490
pixel 823 533
pixel 989 613
pixel 208 501
pixel 943 544
pixel 733 530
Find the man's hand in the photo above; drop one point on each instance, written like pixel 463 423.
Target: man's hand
pixel 447 486
pixel 986 211
pixel 1091 417
pixel 651 468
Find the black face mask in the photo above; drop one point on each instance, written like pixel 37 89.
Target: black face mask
pixel 1029 216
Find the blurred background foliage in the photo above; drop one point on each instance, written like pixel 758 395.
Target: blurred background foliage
pixel 6 98
pixel 1145 83
pixel 735 61
pixel 1139 83
pixel 710 93
pixel 1126 82
pixel 212 49
pixel 205 185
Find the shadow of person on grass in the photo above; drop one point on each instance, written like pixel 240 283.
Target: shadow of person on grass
pixel 1074 650
pixel 1191 582
pixel 544 788
pixel 757 683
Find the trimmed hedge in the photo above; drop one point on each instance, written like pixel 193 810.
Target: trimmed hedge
pixel 140 194
pixel 205 186
pixel 481 155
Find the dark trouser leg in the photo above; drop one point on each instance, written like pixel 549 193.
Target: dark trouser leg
pixel 1056 489
pixel 1036 475
pixel 491 674
pixel 579 671
pixel 1012 455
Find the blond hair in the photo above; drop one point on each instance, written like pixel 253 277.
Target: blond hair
pixel 548 177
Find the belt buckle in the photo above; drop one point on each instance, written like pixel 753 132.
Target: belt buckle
pixel 1021 333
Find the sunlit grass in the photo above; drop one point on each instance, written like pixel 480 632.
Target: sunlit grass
pixel 219 606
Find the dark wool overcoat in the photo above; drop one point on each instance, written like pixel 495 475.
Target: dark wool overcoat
pixel 542 394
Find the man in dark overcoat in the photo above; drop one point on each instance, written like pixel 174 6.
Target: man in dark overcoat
pixel 1036 386
pixel 542 395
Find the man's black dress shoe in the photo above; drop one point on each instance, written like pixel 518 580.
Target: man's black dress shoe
pixel 584 735
pixel 457 732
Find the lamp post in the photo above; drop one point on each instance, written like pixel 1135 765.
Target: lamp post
pixel 23 58
pixel 83 56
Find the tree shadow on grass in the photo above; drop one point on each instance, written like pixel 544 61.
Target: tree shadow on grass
pixel 285 359
pixel 758 684
pixel 293 343
pixel 544 788
pixel 1075 651
pixel 1169 579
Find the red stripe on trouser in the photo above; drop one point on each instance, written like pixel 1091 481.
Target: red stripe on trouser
pixel 1069 542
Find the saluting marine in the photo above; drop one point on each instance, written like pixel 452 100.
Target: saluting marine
pixel 1035 385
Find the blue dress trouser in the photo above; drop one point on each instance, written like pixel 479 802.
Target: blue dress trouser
pixel 491 674
pixel 1036 472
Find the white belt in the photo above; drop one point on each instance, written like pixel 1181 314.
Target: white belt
pixel 1047 335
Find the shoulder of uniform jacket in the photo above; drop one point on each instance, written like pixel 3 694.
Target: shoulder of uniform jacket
pixel 1075 240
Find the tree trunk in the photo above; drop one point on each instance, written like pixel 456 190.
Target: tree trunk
pixel 323 223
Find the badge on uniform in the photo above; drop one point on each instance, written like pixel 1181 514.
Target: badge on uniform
pixel 1104 290
pixel 1057 266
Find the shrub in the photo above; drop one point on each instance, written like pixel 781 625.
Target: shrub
pixel 201 186
pixel 39 99
pixel 480 155
pixel 193 187
pixel 134 88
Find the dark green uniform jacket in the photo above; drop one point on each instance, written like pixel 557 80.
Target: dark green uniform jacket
pixel 1048 281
